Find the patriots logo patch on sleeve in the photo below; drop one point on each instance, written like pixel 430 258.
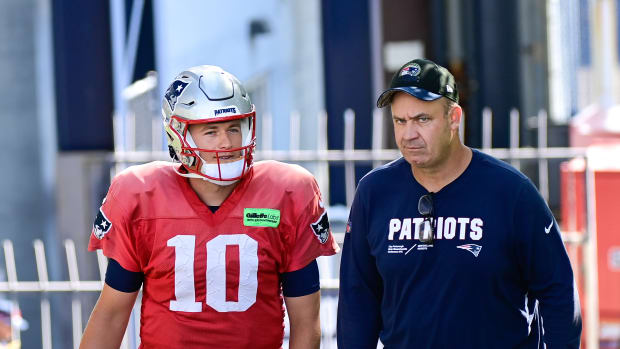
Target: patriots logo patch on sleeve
pixel 174 91
pixel 321 228
pixel 102 225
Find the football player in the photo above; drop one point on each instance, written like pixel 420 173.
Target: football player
pixel 217 242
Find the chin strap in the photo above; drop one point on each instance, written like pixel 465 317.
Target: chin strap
pixel 229 170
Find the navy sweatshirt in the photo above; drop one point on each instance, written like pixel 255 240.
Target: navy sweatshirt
pixel 496 276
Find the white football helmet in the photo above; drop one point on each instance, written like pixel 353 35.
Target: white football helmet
pixel 208 94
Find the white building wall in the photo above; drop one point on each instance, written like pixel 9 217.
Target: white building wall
pixel 282 68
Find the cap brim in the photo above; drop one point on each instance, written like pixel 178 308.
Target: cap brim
pixel 386 97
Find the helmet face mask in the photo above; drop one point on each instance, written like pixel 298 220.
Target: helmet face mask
pixel 204 95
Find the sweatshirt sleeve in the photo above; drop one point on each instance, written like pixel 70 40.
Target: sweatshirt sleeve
pixel 546 269
pixel 361 286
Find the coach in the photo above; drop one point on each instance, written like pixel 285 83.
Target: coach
pixel 448 247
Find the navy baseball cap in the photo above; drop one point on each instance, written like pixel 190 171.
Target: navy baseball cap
pixel 422 79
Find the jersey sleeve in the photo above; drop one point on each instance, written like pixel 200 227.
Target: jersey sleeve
pixel 312 236
pixel 546 269
pixel 113 232
pixel 361 287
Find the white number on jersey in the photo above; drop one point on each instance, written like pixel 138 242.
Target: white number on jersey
pixel 184 291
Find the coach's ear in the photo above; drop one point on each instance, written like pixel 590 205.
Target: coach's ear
pixel 455 114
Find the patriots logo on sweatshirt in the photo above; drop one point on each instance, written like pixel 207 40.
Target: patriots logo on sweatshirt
pixel 473 248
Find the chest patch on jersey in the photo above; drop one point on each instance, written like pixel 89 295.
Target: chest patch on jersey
pixel 102 225
pixel 261 217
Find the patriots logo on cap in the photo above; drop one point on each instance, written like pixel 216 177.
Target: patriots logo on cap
pixel 473 248
pixel 411 70
pixel 321 228
pixel 174 91
pixel 102 225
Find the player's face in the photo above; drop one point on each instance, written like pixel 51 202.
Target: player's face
pixel 423 130
pixel 220 136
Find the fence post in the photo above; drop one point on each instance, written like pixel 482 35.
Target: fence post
pixel 377 134
pixel 76 306
pixel 323 166
pixel 349 145
pixel 46 314
pixel 487 128
pixel 11 270
pixel 514 138
pixel 543 164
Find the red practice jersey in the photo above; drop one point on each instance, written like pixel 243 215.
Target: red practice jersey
pixel 212 280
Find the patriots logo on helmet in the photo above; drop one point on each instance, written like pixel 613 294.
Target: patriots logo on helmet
pixel 102 225
pixel 174 91
pixel 473 248
pixel 321 228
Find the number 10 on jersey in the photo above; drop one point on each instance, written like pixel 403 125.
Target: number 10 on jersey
pixel 184 292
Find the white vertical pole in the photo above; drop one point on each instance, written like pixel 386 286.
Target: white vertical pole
pixel 487 128
pixel 591 260
pixel 349 145
pixel 46 317
pixel 76 315
pixel 514 138
pixel 46 324
pixel 11 270
pixel 74 278
pixel 543 163
pixel 376 45
pixel 607 48
pixel 377 135
pixel 39 254
pixel 120 79
pixel 323 165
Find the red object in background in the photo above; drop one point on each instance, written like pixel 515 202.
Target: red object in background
pixel 605 164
